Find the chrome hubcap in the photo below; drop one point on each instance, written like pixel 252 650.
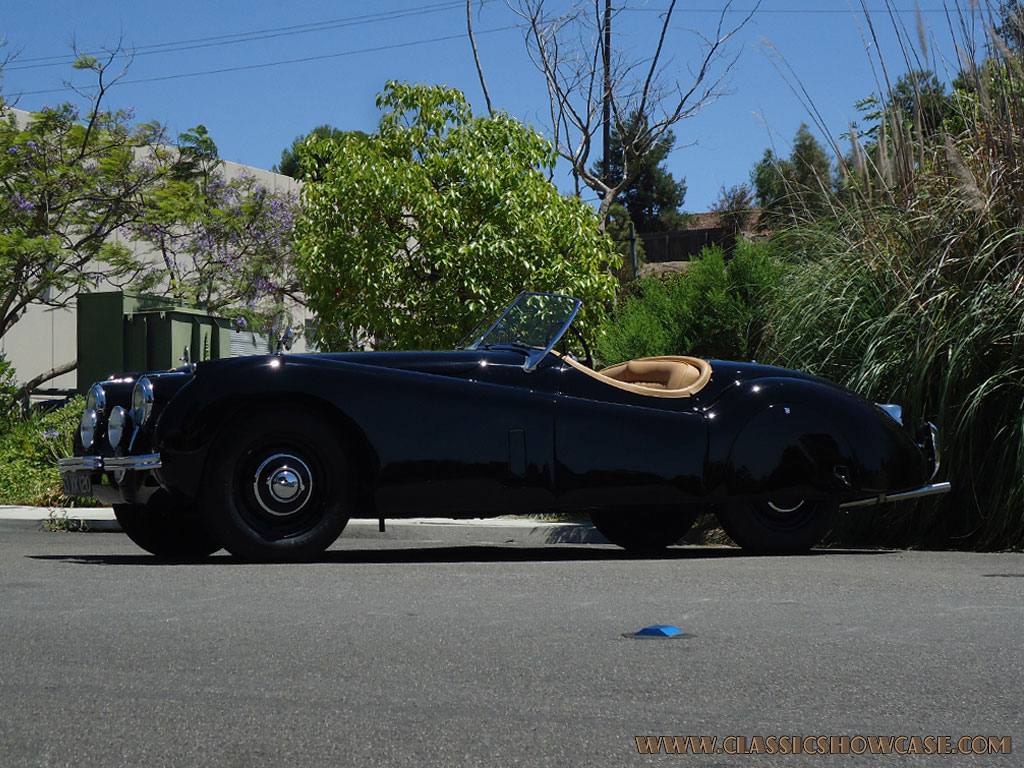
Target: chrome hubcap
pixel 786 509
pixel 282 484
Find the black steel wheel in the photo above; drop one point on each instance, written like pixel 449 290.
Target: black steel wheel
pixel 165 530
pixel 779 526
pixel 645 531
pixel 277 487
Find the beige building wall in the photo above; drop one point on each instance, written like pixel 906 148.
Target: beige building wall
pixel 45 338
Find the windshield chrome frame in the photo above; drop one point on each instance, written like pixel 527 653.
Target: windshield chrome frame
pixel 534 356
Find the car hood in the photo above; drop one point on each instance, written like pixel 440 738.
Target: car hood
pixel 728 373
pixel 445 363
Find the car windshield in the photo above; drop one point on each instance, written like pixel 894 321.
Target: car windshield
pixel 535 321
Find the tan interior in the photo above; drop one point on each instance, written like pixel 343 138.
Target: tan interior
pixel 669 376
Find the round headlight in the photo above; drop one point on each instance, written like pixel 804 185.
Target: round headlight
pixel 142 401
pixel 96 399
pixel 115 425
pixel 87 427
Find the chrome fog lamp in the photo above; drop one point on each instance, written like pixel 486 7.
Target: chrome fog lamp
pixel 142 401
pixel 96 399
pixel 87 427
pixel 115 425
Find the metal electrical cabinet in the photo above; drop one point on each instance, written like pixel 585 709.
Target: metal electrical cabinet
pixel 121 332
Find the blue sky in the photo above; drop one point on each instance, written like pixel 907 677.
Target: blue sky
pixel 348 50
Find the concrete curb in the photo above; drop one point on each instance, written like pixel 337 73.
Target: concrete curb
pixel 97 519
pixel 501 530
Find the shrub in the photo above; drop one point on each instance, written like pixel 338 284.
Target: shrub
pixel 29 451
pixel 716 309
pixel 9 405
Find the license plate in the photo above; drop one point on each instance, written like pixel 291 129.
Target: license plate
pixel 77 483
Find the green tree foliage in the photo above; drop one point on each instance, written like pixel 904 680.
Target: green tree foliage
pixel 653 198
pixel 920 99
pixel 289 165
pixel 224 245
pixel 735 207
pixel 69 185
pixel 78 189
pixel 414 234
pixel 717 309
pixel 796 187
pixel 1010 26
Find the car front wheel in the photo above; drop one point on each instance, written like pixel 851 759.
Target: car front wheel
pixel 644 531
pixel 277 487
pixel 166 532
pixel 779 526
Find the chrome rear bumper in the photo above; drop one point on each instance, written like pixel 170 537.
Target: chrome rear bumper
pixel 882 498
pixel 111 463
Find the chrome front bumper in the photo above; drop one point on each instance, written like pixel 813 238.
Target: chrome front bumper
pixel 882 498
pixel 111 464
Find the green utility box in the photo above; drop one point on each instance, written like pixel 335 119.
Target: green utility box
pixel 122 332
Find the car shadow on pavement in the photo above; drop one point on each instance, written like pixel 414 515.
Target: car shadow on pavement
pixel 477 553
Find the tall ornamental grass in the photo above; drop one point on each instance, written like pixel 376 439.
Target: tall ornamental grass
pixel 911 290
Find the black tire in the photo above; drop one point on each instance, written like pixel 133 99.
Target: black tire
pixel 645 531
pixel 779 527
pixel 277 487
pixel 166 532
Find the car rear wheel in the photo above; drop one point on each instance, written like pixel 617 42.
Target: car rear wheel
pixel 165 531
pixel 277 487
pixel 779 526
pixel 644 531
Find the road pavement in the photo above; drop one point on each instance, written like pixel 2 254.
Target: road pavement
pixel 392 651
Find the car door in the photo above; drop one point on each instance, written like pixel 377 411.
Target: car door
pixel 620 449
pixel 479 444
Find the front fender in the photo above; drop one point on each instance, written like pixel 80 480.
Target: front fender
pixel 808 437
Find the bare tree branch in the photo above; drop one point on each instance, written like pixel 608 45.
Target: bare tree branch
pixel 567 48
pixel 26 388
pixel 476 54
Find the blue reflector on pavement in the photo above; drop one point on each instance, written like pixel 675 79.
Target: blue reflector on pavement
pixel 659 630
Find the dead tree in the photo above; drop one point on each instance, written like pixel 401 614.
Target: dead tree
pixel 588 79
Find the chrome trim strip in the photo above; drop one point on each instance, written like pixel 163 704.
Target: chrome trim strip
pixel 142 461
pixel 111 464
pixel 79 463
pixel 882 498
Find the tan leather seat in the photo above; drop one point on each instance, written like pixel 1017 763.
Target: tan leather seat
pixel 667 376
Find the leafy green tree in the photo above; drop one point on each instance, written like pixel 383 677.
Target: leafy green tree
pixel 797 186
pixel 69 185
pixel 735 207
pixel 289 165
pixel 1010 27
pixel 920 98
pixel 77 189
pixel 411 236
pixel 653 198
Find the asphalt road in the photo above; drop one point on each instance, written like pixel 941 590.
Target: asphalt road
pixel 404 653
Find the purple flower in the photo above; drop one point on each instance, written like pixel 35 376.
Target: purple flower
pixel 23 204
pixel 50 434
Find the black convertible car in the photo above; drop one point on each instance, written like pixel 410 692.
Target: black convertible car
pixel 269 457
